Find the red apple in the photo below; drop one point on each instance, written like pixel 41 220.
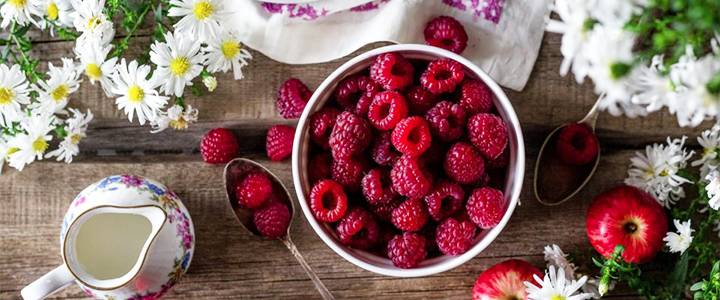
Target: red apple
pixel 504 281
pixel 630 217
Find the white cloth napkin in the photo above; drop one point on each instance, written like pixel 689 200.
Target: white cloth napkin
pixel 325 30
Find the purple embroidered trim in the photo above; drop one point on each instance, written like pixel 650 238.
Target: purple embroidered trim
pixel 488 9
pixel 307 11
pixel 368 6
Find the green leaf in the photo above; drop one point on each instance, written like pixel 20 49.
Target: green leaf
pixel 713 86
pixel 619 70
pixel 697 286
pixel 675 283
pixel 21 31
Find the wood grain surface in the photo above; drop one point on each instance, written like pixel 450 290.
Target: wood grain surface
pixel 231 264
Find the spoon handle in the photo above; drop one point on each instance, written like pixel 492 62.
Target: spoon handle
pixel 591 118
pixel 324 292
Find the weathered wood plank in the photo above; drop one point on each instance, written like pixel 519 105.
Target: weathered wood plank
pixel 228 261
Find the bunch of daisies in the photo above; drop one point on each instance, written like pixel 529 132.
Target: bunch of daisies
pixel 34 105
pixel 644 55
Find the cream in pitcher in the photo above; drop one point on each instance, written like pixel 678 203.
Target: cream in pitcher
pixel 124 237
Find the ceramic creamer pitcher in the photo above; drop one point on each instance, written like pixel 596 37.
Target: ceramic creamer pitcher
pixel 124 237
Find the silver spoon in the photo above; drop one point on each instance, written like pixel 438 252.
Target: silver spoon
pixel 234 171
pixel 555 182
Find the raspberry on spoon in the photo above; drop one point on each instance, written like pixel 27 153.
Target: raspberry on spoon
pixel 577 144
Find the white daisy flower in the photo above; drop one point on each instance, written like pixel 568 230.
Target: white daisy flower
pixel 574 16
pixel 710 141
pixel 555 286
pixel 651 89
pixel 617 12
pixel 713 190
pixel 225 52
pixel 609 51
pixel 210 82
pixel 200 18
pixel 32 144
pixel 89 19
pixel 178 62
pixel 14 90
pixel 655 172
pixel 176 117
pixel 93 62
pixel 695 103
pixel 680 241
pixel 4 149
pixel 55 93
pixel 137 92
pixel 57 11
pixel 20 11
pixel 76 128
pixel 554 256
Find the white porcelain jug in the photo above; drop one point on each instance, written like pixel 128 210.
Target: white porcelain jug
pixel 124 237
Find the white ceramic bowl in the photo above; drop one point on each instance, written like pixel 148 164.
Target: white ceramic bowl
pixel 370 261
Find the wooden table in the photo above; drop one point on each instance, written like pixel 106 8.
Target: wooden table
pixel 228 262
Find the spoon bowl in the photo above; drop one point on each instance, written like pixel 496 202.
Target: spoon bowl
pixel 556 182
pixel 235 171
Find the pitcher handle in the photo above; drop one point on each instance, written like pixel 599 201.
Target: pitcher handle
pixel 50 283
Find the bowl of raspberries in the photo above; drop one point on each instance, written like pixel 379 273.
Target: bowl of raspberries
pixel 408 160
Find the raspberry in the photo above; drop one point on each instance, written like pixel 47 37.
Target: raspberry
pixel 499 162
pixel 485 207
pixel 272 220
pixel 419 100
pixel 446 120
pixel 447 33
pixel 392 71
pixel 292 98
pixel 387 109
pixel 350 136
pixel 455 237
pixel 279 142
pixel 382 150
pixel 475 96
pixel 384 211
pixel 445 199
pixel 411 136
pixel 319 167
pixel 219 146
pixel 410 178
pixel 358 229
pixel 321 125
pixel 488 133
pixel 407 250
pixel 253 190
pixel 464 163
pixel 377 187
pixel 411 215
pixel 355 93
pixel 442 76
pixel 349 173
pixel 577 144
pixel 328 201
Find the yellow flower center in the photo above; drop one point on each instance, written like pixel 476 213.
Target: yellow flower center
pixel 60 93
pixel 203 10
pixel 52 11
pixel 11 151
pixel 230 49
pixel 93 22
pixel 136 94
pixel 664 173
pixel 40 145
pixel 93 71
pixel 6 95
pixel 179 124
pixel 707 151
pixel 75 138
pixel 179 66
pixel 557 297
pixel 18 3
